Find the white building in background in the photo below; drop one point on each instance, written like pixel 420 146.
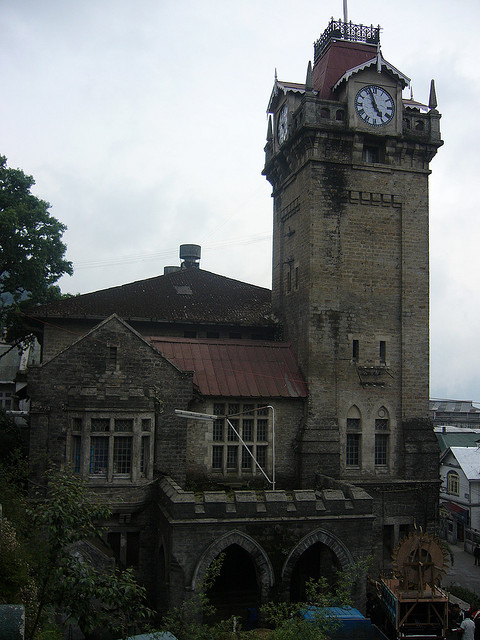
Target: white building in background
pixel 460 491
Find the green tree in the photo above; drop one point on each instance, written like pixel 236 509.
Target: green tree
pixel 12 440
pixel 288 619
pixel 32 254
pixel 43 569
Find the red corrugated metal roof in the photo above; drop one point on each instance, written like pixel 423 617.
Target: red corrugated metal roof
pixel 237 369
pixel 453 508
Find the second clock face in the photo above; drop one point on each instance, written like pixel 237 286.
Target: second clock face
pixel 374 105
pixel 282 124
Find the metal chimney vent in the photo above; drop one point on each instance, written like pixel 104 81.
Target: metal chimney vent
pixel 190 254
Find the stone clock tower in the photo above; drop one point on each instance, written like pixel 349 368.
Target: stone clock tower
pixel 348 159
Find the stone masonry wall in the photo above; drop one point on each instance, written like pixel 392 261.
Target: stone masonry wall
pixel 81 379
pixel 274 526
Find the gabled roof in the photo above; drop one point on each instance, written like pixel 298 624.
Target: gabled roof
pixel 381 64
pixel 188 295
pixel 468 458
pixel 409 103
pixel 458 438
pixel 235 368
pixel 280 86
pixel 95 330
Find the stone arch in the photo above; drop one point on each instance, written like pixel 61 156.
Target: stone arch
pixel 354 412
pixel 262 564
pixel 344 556
pixel 382 412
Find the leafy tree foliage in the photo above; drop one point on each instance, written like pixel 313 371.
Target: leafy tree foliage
pixel 40 566
pixel 12 440
pixel 31 250
pixel 287 621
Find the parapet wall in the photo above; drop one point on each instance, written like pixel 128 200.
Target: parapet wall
pixel 328 502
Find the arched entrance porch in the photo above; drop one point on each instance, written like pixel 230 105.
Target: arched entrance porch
pixel 318 554
pixel 246 575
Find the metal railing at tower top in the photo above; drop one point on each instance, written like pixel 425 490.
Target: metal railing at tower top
pixel 339 30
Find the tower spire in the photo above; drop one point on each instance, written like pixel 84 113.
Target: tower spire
pixel 309 79
pixel 432 101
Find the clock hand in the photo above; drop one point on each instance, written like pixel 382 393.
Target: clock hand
pixel 374 102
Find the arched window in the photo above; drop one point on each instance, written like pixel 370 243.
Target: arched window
pixel 453 483
pixel 353 450
pixel 324 112
pixel 419 125
pixel 382 437
pixel 340 115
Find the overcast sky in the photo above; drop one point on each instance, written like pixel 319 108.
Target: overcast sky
pixel 143 123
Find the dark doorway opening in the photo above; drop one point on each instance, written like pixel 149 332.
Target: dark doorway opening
pixel 162 591
pixel 235 591
pixel 317 561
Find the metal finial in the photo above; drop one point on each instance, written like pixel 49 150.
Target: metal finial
pixel 379 59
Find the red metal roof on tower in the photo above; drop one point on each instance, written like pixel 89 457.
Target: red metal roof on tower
pixel 339 57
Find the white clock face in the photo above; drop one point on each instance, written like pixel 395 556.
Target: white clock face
pixel 282 126
pixel 374 105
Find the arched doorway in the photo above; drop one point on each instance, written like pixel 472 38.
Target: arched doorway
pixel 318 553
pixel 235 591
pixel 316 562
pixel 246 577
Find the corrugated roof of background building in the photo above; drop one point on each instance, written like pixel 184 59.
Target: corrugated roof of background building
pixel 458 438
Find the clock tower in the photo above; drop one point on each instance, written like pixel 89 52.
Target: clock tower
pixel 348 160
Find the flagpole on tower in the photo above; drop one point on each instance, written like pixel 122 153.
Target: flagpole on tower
pixel 345 11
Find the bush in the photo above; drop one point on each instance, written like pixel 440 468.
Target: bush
pixel 466 595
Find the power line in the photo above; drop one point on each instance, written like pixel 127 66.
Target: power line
pixel 173 253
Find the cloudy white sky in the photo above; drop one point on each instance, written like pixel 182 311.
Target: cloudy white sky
pixel 143 123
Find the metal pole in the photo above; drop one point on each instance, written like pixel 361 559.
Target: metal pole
pixel 208 417
pixel 272 482
pixel 273 446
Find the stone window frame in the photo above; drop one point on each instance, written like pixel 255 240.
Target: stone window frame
pixel 227 455
pixel 6 399
pixel 128 451
pixel 353 440
pixel 382 438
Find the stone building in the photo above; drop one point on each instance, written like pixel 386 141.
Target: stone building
pixel 321 451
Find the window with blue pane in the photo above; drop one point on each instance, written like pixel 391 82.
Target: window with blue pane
pixel 99 455
pixel 103 446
